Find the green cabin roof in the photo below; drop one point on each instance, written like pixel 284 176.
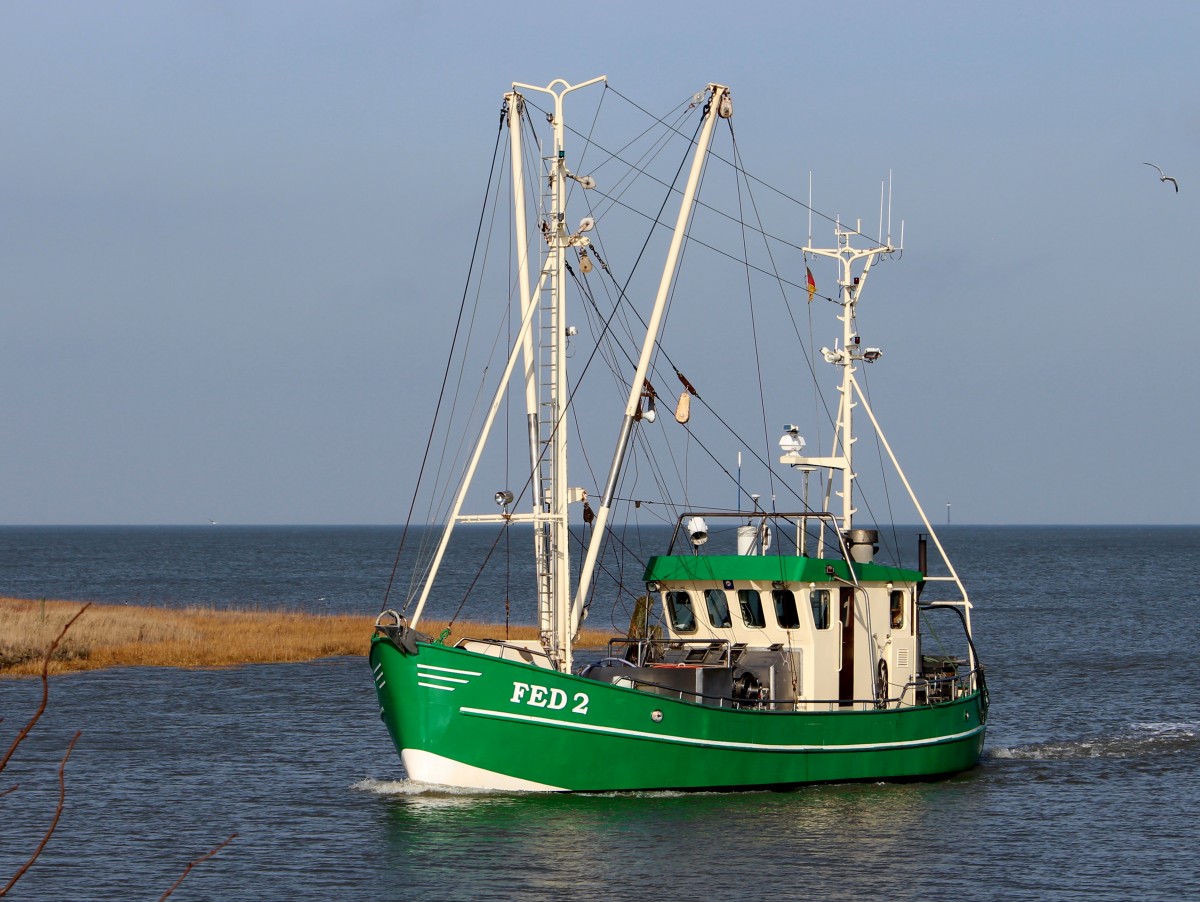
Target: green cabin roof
pixel 768 568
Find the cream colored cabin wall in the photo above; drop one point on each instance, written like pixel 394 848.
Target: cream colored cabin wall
pixel 869 636
pixel 906 672
pixel 874 639
pixel 897 647
pixel 818 648
pixel 821 667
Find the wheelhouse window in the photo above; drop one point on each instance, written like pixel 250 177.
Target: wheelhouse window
pixel 786 614
pixel 679 608
pixel 718 607
pixel 819 600
pixel 752 610
pixel 898 600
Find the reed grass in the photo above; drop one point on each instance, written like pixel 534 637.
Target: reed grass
pixel 197 637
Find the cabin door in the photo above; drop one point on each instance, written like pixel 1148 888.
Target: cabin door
pixel 846 621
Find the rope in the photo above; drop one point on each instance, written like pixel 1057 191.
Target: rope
pixel 614 330
pixel 445 376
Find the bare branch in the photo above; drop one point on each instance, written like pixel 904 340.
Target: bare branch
pixel 62 766
pixel 62 800
pixel 45 690
pixel 207 855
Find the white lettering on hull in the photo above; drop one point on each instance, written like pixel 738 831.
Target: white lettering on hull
pixel 551 698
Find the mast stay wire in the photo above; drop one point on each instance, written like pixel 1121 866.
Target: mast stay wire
pixel 762 392
pixel 830 219
pixel 419 573
pixel 894 550
pixel 767 237
pixel 775 275
pixel 446 371
pixel 748 176
pixel 615 198
pixel 621 295
pixel 804 347
pixel 586 366
pixel 439 503
pixel 660 350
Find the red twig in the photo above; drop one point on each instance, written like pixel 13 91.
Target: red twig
pixel 192 864
pixel 62 801
pixel 45 690
pixel 62 766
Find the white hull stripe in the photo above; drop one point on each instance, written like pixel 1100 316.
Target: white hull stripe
pixel 717 743
pixel 436 686
pixel 428 667
pixel 444 679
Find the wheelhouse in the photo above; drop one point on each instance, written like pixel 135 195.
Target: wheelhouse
pixel 785 631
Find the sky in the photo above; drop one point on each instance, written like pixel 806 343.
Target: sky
pixel 233 235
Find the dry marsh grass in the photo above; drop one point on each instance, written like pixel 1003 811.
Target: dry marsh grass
pixel 136 636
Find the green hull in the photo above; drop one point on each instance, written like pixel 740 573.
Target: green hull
pixel 465 719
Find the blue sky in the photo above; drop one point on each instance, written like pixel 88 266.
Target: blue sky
pixel 232 236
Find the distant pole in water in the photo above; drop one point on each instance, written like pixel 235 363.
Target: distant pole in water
pixel 947 513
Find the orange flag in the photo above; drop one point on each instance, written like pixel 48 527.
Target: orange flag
pixel 812 284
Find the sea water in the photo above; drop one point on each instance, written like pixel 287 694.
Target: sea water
pixel 1087 789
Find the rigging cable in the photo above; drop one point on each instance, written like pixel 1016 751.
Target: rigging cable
pixel 608 321
pixel 586 366
pixel 659 349
pixel 895 547
pixel 615 155
pixel 478 573
pixel 445 373
pixel 762 393
pixel 420 574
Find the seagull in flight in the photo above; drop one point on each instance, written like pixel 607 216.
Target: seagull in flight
pixel 1163 177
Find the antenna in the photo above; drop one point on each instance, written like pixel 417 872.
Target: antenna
pixel 880 232
pixel 810 208
pixel 889 231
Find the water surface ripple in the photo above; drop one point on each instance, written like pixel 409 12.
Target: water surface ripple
pixel 1087 789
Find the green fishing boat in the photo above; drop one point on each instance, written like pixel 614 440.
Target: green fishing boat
pixel 769 644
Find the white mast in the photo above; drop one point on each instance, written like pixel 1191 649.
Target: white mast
pixel 514 106
pixel 852 395
pixel 845 356
pixel 551 524
pixel 545 401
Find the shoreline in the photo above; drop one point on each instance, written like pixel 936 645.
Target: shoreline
pixel 110 635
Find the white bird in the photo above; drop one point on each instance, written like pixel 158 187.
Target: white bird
pixel 1163 177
